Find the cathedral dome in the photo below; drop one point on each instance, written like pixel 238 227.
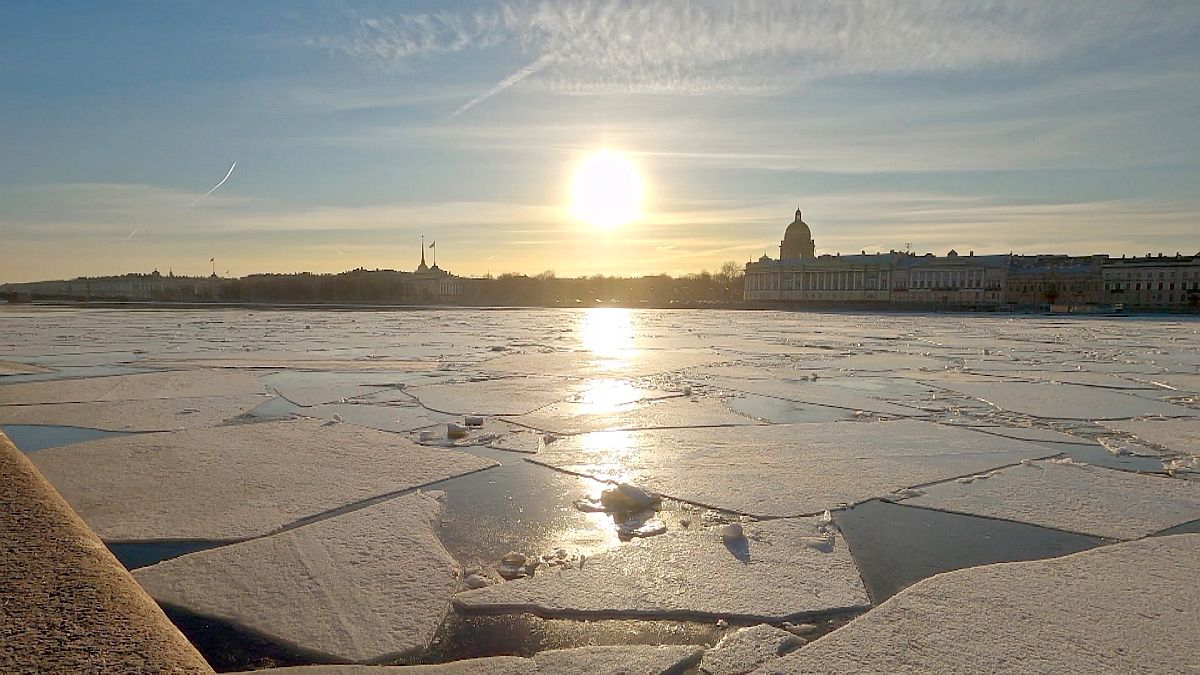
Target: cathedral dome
pixel 797 240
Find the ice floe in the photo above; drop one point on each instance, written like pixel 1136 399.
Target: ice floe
pixel 157 414
pixel 1073 497
pixel 767 575
pixel 495 396
pixel 1094 611
pixel 238 481
pixel 783 470
pixel 1061 401
pixel 743 650
pixel 139 387
pixel 361 586
pixel 601 660
pixel 1180 436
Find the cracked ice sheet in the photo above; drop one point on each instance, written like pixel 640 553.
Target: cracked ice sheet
pixel 1072 497
pixel 1176 435
pixel 663 413
pixel 238 481
pixel 312 388
pixel 139 387
pixel 786 470
pixel 770 575
pixel 836 395
pixel 14 368
pixel 499 396
pixel 584 364
pixel 1129 607
pixel 397 418
pixel 361 586
pixel 609 660
pixel 148 415
pixel 1065 401
pixel 745 649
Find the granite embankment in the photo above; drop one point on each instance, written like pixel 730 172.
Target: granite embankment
pixel 66 604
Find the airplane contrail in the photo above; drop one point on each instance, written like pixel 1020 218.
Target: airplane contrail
pixel 505 84
pixel 131 235
pixel 214 188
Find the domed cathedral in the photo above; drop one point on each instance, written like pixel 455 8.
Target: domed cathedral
pixel 797 241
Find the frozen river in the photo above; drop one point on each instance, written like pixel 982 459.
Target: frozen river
pixel 300 487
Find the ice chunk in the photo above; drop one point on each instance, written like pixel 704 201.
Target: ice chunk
pixel 1061 401
pixel 571 417
pixel 1176 435
pixel 1125 608
pixel 141 387
pixel 786 470
pixel 499 396
pixel 1074 497
pixel 238 481
pixel 747 648
pixel 15 368
pixel 146 415
pixel 691 573
pixel 363 586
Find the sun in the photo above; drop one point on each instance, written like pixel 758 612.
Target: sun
pixel 607 190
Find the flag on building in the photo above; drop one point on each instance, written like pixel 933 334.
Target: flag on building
pixel 432 244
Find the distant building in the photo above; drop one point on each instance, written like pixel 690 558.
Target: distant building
pixel 1056 280
pixel 434 283
pixel 800 276
pixel 1171 282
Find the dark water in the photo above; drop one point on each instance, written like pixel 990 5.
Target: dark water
pixel 896 545
pixel 1190 527
pixel 229 648
pixel 33 437
pixel 1098 456
pixel 143 554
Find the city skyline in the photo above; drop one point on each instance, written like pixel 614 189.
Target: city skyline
pixel 333 138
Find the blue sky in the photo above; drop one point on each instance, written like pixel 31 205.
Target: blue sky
pixel 358 127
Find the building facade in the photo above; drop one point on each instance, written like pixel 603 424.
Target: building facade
pixel 1158 282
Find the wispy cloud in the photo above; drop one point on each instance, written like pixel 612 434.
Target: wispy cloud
pixel 749 46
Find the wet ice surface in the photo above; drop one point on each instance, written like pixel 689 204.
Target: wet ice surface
pixel 764 413
pixel 32 437
pixel 898 545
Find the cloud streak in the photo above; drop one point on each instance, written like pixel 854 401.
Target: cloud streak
pixel 751 46
pixel 214 188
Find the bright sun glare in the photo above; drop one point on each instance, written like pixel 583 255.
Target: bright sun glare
pixel 607 190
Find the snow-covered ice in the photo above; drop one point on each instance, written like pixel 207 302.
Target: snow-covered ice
pixel 1180 436
pixel 1066 401
pixel 1124 608
pixel 141 387
pixel 771 574
pixel 156 414
pixel 785 470
pixel 743 650
pixel 361 586
pixel 603 660
pixel 496 396
pixel 1074 497
pixel 238 481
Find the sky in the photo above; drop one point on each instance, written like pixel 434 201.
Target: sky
pixel 358 128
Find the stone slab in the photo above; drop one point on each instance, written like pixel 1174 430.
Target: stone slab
pixel 67 605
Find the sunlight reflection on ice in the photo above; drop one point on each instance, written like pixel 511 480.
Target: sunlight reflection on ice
pixel 607 332
pixel 607 453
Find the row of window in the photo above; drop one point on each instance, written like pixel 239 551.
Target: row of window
pixel 1150 274
pixel 1137 286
